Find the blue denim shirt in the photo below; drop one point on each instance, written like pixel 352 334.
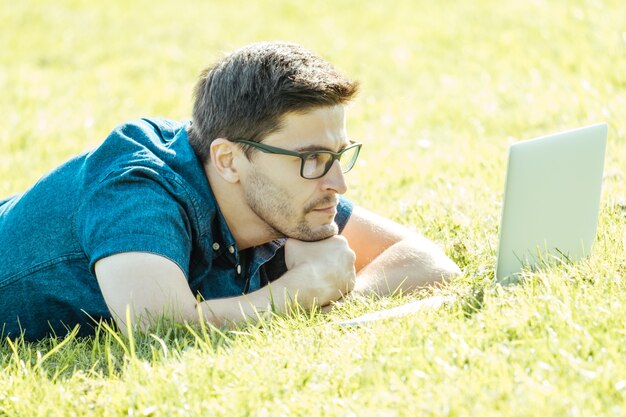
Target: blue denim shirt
pixel 143 189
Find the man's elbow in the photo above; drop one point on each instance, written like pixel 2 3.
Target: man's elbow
pixel 445 269
pixel 436 266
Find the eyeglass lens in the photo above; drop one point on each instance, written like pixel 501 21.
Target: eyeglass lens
pixel 317 164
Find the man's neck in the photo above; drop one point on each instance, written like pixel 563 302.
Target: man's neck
pixel 246 227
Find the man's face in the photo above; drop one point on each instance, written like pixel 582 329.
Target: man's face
pixel 292 206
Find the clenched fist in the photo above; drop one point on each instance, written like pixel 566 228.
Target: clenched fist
pixel 319 272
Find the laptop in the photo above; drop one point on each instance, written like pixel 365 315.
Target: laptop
pixel 549 213
pixel 551 200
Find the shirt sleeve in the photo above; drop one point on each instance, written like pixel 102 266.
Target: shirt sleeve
pixel 135 210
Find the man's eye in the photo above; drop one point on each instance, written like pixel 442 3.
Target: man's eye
pixel 313 157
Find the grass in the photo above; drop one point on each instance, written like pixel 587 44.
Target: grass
pixel 446 87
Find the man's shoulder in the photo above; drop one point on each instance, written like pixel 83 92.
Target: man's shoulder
pixel 147 126
pixel 153 153
pixel 153 141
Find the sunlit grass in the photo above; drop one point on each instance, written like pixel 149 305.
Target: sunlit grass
pixel 446 87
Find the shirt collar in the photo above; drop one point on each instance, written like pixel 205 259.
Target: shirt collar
pixel 213 225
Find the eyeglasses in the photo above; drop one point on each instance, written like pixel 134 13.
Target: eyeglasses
pixel 314 164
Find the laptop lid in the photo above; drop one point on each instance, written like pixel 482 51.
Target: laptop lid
pixel 551 199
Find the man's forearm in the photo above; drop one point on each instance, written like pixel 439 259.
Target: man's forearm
pixel 299 285
pixel 234 310
pixel 407 265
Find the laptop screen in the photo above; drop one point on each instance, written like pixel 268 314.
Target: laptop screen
pixel 551 200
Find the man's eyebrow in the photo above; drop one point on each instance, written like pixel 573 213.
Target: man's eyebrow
pixel 313 148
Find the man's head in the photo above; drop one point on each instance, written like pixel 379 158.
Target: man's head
pixel 274 189
pixel 248 92
pixel 269 119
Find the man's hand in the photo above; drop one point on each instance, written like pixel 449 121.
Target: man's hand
pixel 320 272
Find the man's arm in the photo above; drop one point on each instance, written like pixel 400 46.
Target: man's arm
pixel 150 286
pixel 390 257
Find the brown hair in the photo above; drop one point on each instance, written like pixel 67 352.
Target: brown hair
pixel 246 93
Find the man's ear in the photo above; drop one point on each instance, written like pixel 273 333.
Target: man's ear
pixel 223 153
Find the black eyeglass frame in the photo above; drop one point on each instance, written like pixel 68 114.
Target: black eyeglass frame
pixel 335 156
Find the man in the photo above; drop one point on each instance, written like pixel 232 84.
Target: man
pixel 217 218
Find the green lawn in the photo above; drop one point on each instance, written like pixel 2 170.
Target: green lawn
pixel 446 87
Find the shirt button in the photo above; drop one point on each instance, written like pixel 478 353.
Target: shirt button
pixel 231 249
pixel 216 246
pixel 238 269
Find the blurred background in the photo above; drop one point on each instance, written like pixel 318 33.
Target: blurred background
pixel 445 87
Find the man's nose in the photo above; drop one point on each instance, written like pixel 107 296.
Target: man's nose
pixel 334 179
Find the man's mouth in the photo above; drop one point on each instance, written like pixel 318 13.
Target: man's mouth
pixel 328 207
pixel 326 210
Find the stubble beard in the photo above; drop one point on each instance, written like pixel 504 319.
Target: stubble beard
pixel 271 204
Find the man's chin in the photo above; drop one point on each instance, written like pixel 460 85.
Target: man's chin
pixel 322 232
